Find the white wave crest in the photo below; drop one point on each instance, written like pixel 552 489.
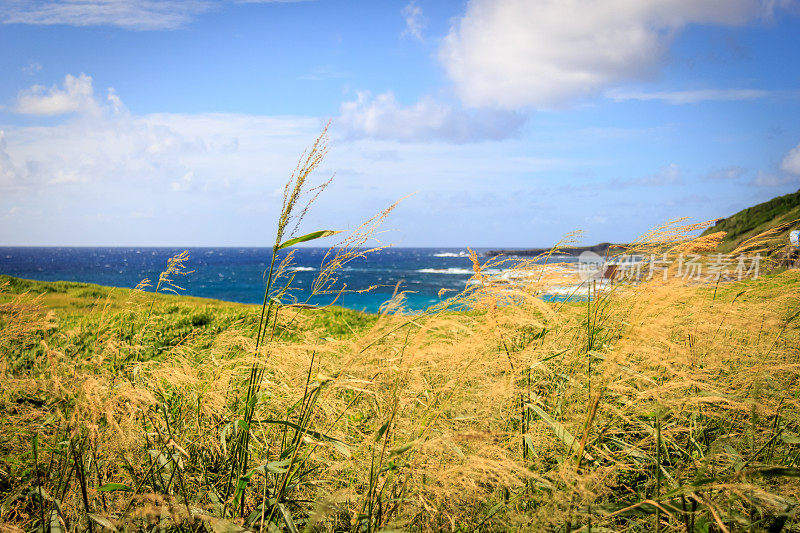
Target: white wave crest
pixel 456 271
pixel 302 269
pixel 451 254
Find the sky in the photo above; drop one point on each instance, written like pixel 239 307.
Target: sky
pixel 501 123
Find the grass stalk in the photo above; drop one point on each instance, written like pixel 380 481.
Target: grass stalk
pixel 658 470
pixel 81 474
pixel 39 486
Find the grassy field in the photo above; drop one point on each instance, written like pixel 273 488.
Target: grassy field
pixel 657 406
pixel 660 405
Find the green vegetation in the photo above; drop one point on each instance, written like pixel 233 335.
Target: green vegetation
pixel 78 304
pixel 756 220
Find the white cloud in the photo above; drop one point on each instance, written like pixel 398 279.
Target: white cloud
pixel 544 53
pixel 184 153
pixel 382 117
pixel 101 144
pixel 63 176
pixel 669 175
pixel 791 161
pixel 271 1
pixel 10 175
pixel 726 174
pixel 789 171
pixel 90 174
pixel 77 95
pixel 207 178
pixel 31 68
pixel 689 97
pixel 415 20
pixel 184 183
pixel 323 72
pixel 767 179
pixel 666 176
pixel 130 14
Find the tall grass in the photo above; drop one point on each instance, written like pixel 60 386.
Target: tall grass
pixel 662 405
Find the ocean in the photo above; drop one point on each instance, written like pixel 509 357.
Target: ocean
pixel 238 274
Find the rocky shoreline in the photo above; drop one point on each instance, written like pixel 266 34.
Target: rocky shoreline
pixel 600 249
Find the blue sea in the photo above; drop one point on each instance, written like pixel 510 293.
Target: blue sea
pixel 238 274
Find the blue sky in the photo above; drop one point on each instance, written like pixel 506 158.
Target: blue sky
pixel 512 122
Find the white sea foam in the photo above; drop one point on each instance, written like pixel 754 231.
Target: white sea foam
pixel 556 280
pixel 302 269
pixel 451 254
pixel 457 271
pixel 463 271
pixel 577 289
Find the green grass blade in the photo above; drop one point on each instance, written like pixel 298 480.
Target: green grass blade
pixel 315 434
pixel 115 487
pixel 102 521
pixel 307 237
pixel 287 518
pixel 560 431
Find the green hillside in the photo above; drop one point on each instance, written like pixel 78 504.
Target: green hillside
pixel 758 219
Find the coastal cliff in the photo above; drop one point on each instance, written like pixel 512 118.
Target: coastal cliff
pixel 600 249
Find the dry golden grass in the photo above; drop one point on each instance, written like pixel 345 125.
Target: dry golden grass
pixel 437 421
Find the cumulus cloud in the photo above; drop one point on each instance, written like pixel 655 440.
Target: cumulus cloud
pixel 666 176
pixel 182 153
pixel 415 20
pixel 689 97
pixel 130 14
pixel 9 173
pixel 323 72
pixel 31 68
pixel 184 183
pixel 99 141
pixel 791 162
pixel 788 173
pixel 725 174
pixel 207 178
pixel 271 1
pixel 76 95
pixel 382 117
pixel 545 53
pixel 669 175
pixel 768 179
